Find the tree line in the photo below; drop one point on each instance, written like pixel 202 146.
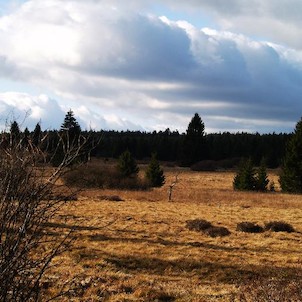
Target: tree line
pixel 184 149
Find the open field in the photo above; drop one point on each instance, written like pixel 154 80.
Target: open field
pixel 139 249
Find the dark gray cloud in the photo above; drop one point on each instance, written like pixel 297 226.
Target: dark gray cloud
pixel 123 68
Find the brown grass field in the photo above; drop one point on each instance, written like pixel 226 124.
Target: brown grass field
pixel 139 249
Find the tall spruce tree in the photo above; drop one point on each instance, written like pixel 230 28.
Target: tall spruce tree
pixel 14 133
pixel 291 176
pixel 69 138
pixel 36 136
pixel 194 142
pixel 71 125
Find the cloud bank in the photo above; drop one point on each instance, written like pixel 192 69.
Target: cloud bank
pixel 125 68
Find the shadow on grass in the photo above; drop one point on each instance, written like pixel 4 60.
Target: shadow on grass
pixel 70 227
pixel 217 272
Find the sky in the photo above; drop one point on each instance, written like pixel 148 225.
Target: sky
pixel 151 65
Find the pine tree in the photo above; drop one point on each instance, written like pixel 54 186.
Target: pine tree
pixel 69 139
pixel 291 176
pixel 14 133
pixel 25 139
pixel 36 137
pixel 70 122
pixel 245 178
pixel 154 173
pixel 261 177
pixel 194 142
pixel 127 165
pixel 71 126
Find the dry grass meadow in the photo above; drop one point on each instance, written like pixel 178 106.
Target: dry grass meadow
pixel 139 249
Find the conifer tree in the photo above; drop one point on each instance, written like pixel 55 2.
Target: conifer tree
pixel 245 178
pixel 14 133
pixel 71 127
pixel 127 165
pixel 261 177
pixel 36 137
pixel 154 173
pixel 291 176
pixel 194 142
pixel 25 139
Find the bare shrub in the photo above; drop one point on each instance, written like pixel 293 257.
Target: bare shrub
pixel 111 198
pixel 27 189
pixel 279 226
pixel 215 231
pixel 92 175
pixel 249 227
pixel 198 225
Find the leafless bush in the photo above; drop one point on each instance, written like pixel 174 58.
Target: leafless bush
pixel 111 198
pixel 279 226
pixel 249 227
pixel 198 225
pixel 103 176
pixel 27 188
pixel 204 226
pixel 215 231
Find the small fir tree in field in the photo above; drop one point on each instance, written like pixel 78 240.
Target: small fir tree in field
pixel 291 176
pixel 127 165
pixel 154 173
pixel 261 177
pixel 245 178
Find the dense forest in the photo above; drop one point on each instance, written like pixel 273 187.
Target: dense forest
pixel 170 146
pixel 186 149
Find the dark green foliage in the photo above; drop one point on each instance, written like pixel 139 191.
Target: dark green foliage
pixel 194 142
pixel 69 138
pixel 250 179
pixel 25 138
pixel 198 225
pixel 70 128
pixel 36 136
pixel 249 227
pixel 14 133
pixel 154 173
pixel 70 123
pixel 127 165
pixel 291 176
pixel 245 178
pixel 261 177
pixel 279 226
pixel 196 127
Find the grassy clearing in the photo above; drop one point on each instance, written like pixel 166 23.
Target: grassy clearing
pixel 139 249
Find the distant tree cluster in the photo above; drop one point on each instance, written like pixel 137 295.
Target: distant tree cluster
pixel 250 179
pixel 194 146
pixel 129 168
pixel 187 149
